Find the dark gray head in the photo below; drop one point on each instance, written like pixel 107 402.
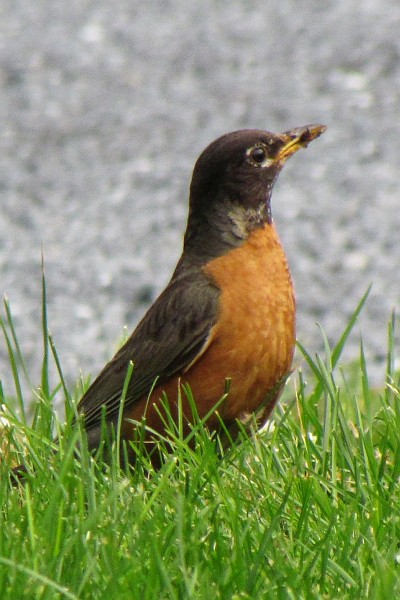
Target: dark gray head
pixel 232 183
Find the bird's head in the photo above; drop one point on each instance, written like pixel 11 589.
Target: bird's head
pixel 233 180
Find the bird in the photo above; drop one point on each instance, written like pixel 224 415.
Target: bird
pixel 228 313
pixel 225 325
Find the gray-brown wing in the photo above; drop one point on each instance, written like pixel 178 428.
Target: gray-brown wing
pixel 167 340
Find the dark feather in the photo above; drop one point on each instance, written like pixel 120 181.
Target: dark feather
pixel 166 341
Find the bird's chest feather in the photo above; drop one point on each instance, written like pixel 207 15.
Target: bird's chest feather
pixel 254 338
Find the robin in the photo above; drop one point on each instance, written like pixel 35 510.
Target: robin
pixel 228 312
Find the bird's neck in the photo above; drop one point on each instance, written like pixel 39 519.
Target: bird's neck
pixel 223 227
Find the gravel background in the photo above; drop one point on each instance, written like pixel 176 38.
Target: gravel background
pixel 104 107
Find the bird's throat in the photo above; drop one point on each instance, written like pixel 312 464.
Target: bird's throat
pixel 225 226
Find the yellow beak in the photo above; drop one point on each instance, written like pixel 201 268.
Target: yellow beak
pixel 298 138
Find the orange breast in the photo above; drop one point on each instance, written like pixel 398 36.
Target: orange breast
pixel 253 340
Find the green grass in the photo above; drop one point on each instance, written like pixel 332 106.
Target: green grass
pixel 308 508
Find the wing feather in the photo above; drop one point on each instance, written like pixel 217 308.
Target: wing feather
pixel 167 340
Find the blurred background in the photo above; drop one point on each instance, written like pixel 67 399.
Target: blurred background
pixel 105 106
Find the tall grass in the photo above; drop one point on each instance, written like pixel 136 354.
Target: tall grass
pixel 306 508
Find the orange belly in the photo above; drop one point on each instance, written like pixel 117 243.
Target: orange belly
pixel 253 341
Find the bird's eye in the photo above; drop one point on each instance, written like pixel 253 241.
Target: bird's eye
pixel 258 156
